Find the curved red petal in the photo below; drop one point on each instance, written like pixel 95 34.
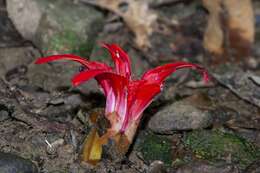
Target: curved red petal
pixel 117 82
pixel 116 90
pixel 105 78
pixel 59 57
pixel 88 64
pixel 142 95
pixel 158 74
pixel 86 75
pixel 120 58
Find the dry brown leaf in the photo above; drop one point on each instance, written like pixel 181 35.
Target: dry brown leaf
pixel 122 140
pixel 135 13
pixel 141 20
pixel 213 36
pixel 230 27
pixel 92 148
pixel 241 28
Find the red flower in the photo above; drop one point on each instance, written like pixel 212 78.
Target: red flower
pixel 125 98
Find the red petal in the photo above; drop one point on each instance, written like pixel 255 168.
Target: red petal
pixel 86 75
pixel 158 74
pixel 105 78
pixel 118 84
pixel 120 58
pixel 88 64
pixel 142 96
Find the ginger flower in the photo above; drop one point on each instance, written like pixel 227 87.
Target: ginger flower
pixel 126 98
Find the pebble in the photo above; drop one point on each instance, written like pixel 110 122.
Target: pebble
pixel 179 116
pixel 10 163
pixel 202 167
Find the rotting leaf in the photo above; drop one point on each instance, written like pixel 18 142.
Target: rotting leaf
pixel 213 36
pixel 240 25
pixel 136 14
pixel 230 29
pixel 92 148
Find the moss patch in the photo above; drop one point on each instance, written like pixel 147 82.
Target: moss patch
pixel 68 42
pixel 216 145
pixel 154 147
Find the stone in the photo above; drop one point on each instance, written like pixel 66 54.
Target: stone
pixel 21 12
pixel 157 167
pixel 57 32
pixel 52 28
pixel 10 163
pixel 13 57
pixel 203 167
pixel 57 76
pixel 9 36
pixel 52 76
pixel 179 116
pixel 32 98
pixel 62 111
pixel 55 106
pixel 14 61
pixel 4 114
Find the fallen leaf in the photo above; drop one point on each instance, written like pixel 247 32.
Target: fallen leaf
pixel 136 14
pixel 92 148
pixel 240 25
pixel 230 28
pixel 141 20
pixel 213 36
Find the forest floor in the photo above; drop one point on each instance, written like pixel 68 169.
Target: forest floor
pixel 211 128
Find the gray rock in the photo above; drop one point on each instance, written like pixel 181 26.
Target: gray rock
pixel 33 98
pixel 20 12
pixel 58 106
pixel 52 76
pixel 57 32
pixel 201 167
pixel 63 32
pixel 179 116
pixel 52 28
pixel 157 167
pixel 57 75
pixel 11 58
pixel 66 108
pixel 4 114
pixel 76 168
pixel 9 36
pixel 10 163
